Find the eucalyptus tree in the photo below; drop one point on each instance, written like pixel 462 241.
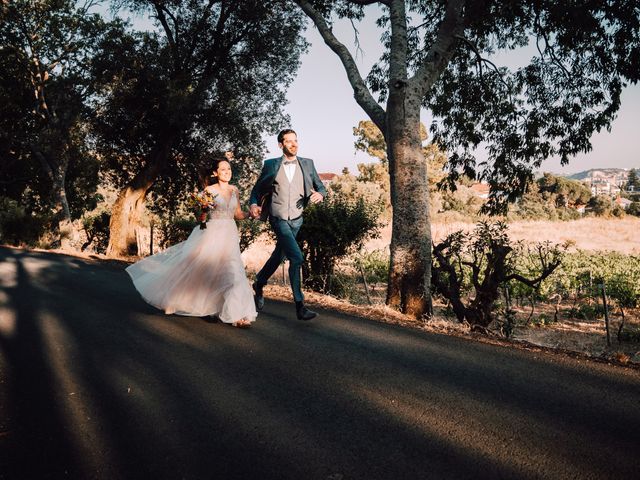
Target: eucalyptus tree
pixel 210 75
pixel 633 182
pixel 45 50
pixel 440 55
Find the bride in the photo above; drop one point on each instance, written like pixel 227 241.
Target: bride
pixel 204 275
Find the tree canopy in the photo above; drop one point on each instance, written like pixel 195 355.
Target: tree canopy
pixel 211 77
pixel 576 57
pixel 45 84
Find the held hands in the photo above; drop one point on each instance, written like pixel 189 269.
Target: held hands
pixel 255 211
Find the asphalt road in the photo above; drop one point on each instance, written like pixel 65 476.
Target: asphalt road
pixel 96 384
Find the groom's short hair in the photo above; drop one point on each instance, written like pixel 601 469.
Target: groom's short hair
pixel 284 132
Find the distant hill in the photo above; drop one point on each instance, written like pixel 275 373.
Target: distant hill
pixel 599 173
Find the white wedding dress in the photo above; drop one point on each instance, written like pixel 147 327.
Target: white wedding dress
pixel 202 276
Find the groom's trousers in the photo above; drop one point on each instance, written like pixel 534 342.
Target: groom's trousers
pixel 286 247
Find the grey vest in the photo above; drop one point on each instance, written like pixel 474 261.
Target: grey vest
pixel 287 200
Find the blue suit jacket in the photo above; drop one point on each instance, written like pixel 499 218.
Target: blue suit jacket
pixel 264 186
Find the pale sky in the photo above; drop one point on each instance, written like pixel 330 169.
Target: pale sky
pixel 323 111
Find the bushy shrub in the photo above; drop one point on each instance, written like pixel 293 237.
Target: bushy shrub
pixel 586 311
pixel 600 206
pixel 566 214
pixel 331 230
pixel 463 200
pixel 618 212
pixel 249 231
pixel 341 285
pixel 532 206
pixel 581 273
pixel 18 227
pixel 375 265
pixel 96 226
pixel 634 209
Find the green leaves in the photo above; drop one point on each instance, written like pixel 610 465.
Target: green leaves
pixel 550 106
pixel 214 74
pixel 581 271
pixel 331 230
pixel 45 86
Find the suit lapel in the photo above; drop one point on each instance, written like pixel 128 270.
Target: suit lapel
pixel 305 177
pixel 277 162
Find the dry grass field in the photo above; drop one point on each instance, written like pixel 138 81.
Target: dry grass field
pixel 620 235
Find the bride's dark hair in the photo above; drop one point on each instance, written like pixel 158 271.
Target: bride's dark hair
pixel 211 163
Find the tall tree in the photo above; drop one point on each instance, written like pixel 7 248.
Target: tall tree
pixel 46 47
pixel 563 191
pixel 438 55
pixel 633 182
pixel 212 76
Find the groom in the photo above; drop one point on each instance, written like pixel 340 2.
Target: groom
pixel 286 185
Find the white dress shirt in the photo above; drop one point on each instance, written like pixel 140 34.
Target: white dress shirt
pixel 290 169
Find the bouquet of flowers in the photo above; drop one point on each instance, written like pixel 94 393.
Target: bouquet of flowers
pixel 202 202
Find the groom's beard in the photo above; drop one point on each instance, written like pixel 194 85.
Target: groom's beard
pixel 290 153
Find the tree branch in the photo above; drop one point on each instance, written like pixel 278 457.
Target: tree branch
pixel 369 2
pixel 217 40
pixel 533 283
pixel 428 20
pixel 475 272
pixel 398 47
pixel 160 14
pixel 548 48
pixel 441 51
pixel 200 27
pixel 360 91
pixel 479 59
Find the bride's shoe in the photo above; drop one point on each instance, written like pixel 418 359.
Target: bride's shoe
pixel 242 323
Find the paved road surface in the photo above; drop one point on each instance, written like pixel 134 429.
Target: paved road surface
pixel 96 384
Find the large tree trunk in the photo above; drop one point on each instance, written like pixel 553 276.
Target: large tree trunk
pixel 410 274
pixel 409 286
pixel 68 234
pixel 129 206
pixel 57 173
